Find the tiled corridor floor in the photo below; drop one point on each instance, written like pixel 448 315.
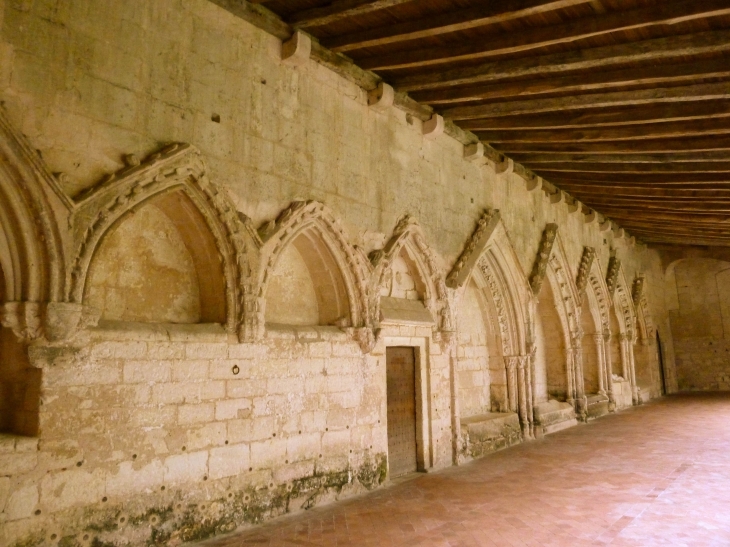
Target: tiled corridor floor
pixel 658 474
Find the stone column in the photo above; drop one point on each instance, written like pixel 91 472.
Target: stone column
pixel 609 369
pixel 529 382
pixel 632 368
pixel 511 369
pixel 522 395
pixel 625 342
pixel 598 339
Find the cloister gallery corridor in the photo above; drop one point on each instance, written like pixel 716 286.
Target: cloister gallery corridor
pixel 653 475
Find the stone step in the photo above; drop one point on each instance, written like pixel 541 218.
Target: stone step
pixel 554 416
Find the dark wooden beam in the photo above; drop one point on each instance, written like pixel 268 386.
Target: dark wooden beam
pixel 636 78
pixel 601 58
pixel 688 194
pixel 435 25
pixel 527 39
pixel 618 117
pixel 692 158
pixel 712 126
pixel 642 179
pixel 338 10
pixel 627 170
pixel 619 212
pixel 603 204
pixel 661 146
pixel 679 94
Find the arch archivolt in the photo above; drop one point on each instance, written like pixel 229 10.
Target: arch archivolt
pixel 409 237
pixel 600 299
pixel 176 168
pixel 565 294
pixel 32 206
pixel 315 218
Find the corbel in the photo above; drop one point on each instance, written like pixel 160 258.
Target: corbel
pixel 533 183
pixel 473 152
pixel 434 127
pixel 505 167
pixel 296 50
pixel 382 97
pixel 557 197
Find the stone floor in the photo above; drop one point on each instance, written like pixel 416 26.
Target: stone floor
pixel 658 474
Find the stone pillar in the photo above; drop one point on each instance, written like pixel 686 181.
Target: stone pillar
pixel 600 350
pixel 609 369
pixel 581 403
pixel 511 369
pixel 632 368
pixel 525 381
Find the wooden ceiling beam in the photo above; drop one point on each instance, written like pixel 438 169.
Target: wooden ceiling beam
pixel 614 99
pixel 661 146
pixel 642 179
pixel 603 205
pixel 625 215
pixel 628 171
pixel 712 126
pixel 692 158
pixel 618 117
pixel 601 80
pixel 443 23
pixel 689 194
pixel 338 10
pixel 528 39
pixel 600 58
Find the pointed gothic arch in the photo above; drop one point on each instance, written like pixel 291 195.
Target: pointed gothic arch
pixel 490 262
pixel 337 268
pixel 220 238
pixel 409 243
pixel 625 314
pixel 32 258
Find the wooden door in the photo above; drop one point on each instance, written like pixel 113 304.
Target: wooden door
pixel 401 384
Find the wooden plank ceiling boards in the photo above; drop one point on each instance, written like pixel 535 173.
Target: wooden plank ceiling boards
pixel 624 104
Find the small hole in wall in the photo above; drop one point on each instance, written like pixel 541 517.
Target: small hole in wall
pixel 351 451
pixel 104 498
pixel 472 200
pixel 230 495
pixel 122 520
pixel 274 435
pixel 202 507
pixel 409 119
pixel 205 477
pixel 134 456
pixel 250 468
pixel 162 487
pixel 300 431
pixel 286 461
pixel 184 448
pixel 179 505
pixel 326 428
pixel 320 455
pixel 246 498
pixel 263 81
pixel 215 118
pixel 37 511
pixel 86 537
pixel 348 427
pixel 271 485
pixel 604 241
pixel 226 442
pixel 79 464
pixel 53 537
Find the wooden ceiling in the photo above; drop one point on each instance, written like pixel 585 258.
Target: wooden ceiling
pixel 624 104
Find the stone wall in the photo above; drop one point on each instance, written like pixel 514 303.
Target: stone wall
pixel 238 369
pixel 698 295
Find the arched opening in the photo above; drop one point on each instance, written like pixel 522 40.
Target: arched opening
pixel 591 363
pixel 306 286
pixel 158 264
pixel 477 348
pixel 19 382
pixel 615 345
pixel 551 356
pixel 660 358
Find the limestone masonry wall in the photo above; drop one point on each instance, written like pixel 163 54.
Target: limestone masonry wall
pixel 205 252
pixel 698 299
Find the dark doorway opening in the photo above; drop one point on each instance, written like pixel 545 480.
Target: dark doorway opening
pixel 660 354
pixel 401 394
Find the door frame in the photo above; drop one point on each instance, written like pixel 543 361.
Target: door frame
pixel 424 452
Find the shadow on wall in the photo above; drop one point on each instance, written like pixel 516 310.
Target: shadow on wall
pixel 698 300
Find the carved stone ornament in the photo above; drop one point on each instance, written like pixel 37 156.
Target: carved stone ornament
pixel 543 255
pixel 586 261
pixel 408 233
pixel 474 248
pixel 614 265
pixel 500 305
pixel 177 167
pixel 637 291
pixel 304 215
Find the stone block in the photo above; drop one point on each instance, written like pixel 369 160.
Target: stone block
pixel 17 463
pixel 132 477
pixel 166 351
pixel 4 492
pixel 307 446
pixel 185 370
pixel 229 461
pixel 71 488
pixel 206 351
pixel 206 435
pixel 195 414
pixel 22 503
pixel 237 389
pixel 232 409
pixel 190 467
pixel 147 371
pixel 268 454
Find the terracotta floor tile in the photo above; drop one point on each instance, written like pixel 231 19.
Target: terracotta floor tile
pixel 651 476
